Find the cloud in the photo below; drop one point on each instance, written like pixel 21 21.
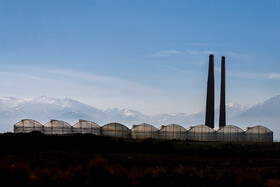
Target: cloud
pixel 51 79
pixel 220 53
pixel 247 75
pixel 167 53
pixel 115 83
pixel 274 76
pixel 246 56
pixel 251 75
pixel 196 52
pixel 202 44
pixel 96 90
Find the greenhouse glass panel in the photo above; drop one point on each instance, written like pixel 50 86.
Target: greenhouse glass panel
pixel 143 131
pixel 201 133
pixel 230 133
pixel 57 127
pixel 115 130
pixel 28 125
pixel 87 127
pixel 173 131
pixel 258 134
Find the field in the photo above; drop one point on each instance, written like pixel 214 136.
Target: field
pixel 39 159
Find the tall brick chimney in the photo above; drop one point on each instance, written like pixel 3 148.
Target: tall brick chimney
pixel 222 118
pixel 210 99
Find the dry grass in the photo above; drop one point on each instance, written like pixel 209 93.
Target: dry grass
pixel 100 161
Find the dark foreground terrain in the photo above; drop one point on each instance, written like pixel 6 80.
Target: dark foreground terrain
pixel 102 161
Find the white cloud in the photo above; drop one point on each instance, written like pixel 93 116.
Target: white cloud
pixel 96 90
pixel 202 44
pixel 247 75
pixel 106 81
pixel 53 79
pixel 196 52
pixel 167 53
pixel 274 76
pixel 251 75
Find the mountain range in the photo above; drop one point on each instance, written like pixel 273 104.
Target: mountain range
pixel 45 108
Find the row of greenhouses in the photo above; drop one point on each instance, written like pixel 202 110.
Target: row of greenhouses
pixel 144 131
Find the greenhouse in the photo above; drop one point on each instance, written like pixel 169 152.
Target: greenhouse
pixel 28 125
pixel 201 133
pixel 57 127
pixel 258 134
pixel 230 133
pixel 86 127
pixel 143 131
pixel 115 130
pixel 173 131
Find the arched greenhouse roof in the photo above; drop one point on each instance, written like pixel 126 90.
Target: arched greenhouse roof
pixel 86 124
pixel 200 129
pixel 143 127
pixel 57 124
pixel 115 130
pixel 229 129
pixel 172 128
pixel 115 126
pixel 258 129
pixel 28 123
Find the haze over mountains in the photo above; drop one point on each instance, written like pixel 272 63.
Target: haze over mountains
pixel 45 108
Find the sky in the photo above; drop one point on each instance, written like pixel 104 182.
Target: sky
pixel 149 56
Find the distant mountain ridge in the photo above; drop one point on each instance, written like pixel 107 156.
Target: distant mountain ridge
pixel 45 108
pixel 268 108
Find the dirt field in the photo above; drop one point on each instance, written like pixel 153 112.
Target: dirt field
pixel 102 161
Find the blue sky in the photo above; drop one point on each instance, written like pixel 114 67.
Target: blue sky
pixel 150 56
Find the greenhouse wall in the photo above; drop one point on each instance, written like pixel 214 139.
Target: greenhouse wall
pixel 173 132
pixel 143 131
pixel 86 127
pixel 229 133
pixel 258 134
pixel 28 125
pixel 57 127
pixel 115 130
pixel 201 133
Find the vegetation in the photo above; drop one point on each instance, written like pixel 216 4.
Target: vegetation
pixel 35 158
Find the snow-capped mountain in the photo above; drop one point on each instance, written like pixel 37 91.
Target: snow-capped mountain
pixel 232 111
pixel 269 108
pixel 45 108
pixel 266 113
